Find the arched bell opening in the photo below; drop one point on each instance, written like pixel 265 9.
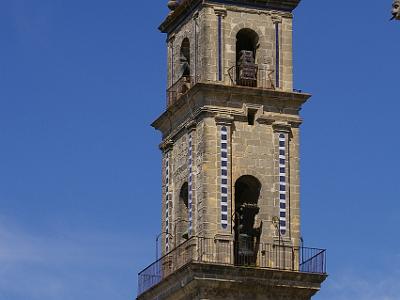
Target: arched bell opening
pixel 247 234
pixel 182 219
pixel 184 82
pixel 185 57
pixel 246 55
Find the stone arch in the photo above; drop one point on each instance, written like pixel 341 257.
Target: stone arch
pixel 179 39
pixel 182 214
pixel 247 190
pixel 247 236
pixel 231 38
pixel 185 57
pixel 247 40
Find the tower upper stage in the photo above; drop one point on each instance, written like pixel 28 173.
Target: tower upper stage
pixel 230 43
pixel 186 6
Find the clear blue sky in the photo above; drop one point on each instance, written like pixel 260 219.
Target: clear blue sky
pixel 80 82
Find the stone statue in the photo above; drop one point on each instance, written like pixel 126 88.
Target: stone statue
pixel 396 10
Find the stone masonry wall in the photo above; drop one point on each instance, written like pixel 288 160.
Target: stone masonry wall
pixel 201 28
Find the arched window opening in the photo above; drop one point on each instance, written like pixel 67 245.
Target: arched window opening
pixel 246 40
pixel 185 58
pixel 181 222
pixel 247 234
pixel 184 82
pixel 246 51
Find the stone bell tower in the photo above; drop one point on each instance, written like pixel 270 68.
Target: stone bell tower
pixel 230 167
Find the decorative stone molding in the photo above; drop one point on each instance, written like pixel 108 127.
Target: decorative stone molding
pixel 166 145
pixel 276 18
pixel 264 119
pixel 283 127
pixel 224 237
pixel 220 11
pixel 171 38
pixel 191 126
pixel 247 106
pixel 222 119
pixel 296 123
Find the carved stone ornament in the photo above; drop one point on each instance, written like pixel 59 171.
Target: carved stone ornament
pixel 276 18
pixel 173 4
pixel 223 119
pixel 166 145
pixel 283 127
pixel 396 10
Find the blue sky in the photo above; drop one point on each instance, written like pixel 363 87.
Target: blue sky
pixel 80 82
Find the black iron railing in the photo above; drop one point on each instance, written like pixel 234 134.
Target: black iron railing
pixel 166 265
pixel 312 260
pixel 226 252
pixel 179 88
pixel 251 76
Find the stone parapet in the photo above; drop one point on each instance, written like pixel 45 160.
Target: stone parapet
pixel 196 281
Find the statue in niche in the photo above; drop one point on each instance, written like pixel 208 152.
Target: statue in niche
pixel 396 10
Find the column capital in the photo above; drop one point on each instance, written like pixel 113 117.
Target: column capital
pixel 296 124
pixel 276 19
pixel 220 11
pixel 166 145
pixel 223 119
pixel 171 38
pixel 191 126
pixel 264 119
pixel 282 127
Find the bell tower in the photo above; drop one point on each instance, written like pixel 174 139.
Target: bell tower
pixel 230 166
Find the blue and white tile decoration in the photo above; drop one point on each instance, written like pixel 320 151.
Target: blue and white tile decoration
pixel 282 184
pixel 167 198
pixel 190 185
pixel 224 177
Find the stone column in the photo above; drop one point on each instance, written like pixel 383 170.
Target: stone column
pixel 220 13
pixel 167 241
pixel 224 239
pixel 288 257
pixel 287 53
pixel 192 203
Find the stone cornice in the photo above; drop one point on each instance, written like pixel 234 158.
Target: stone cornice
pixel 265 119
pixel 191 126
pixel 224 119
pixel 166 145
pixel 220 11
pixel 198 94
pixel 197 276
pixel 282 127
pixel 226 116
pixel 187 7
pixel 270 94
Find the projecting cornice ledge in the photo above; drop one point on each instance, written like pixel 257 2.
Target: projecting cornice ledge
pixel 187 7
pixel 166 145
pixel 209 280
pixel 223 119
pixel 282 127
